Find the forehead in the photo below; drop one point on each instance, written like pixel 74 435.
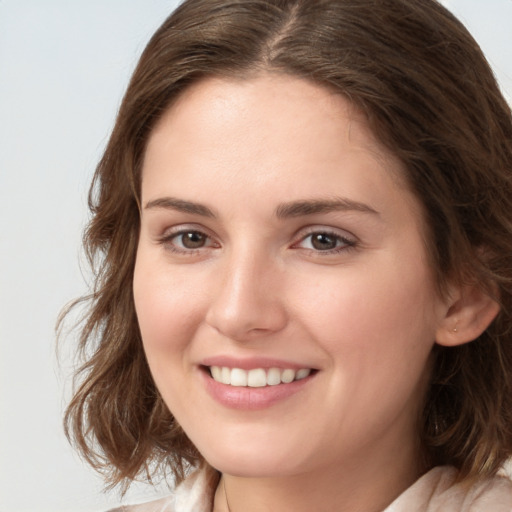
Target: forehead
pixel 273 134
pixel 240 108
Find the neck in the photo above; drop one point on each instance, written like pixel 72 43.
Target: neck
pixel 350 487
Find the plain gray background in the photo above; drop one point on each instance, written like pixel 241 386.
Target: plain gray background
pixel 64 65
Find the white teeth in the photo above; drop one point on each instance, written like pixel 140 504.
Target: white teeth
pixel 274 376
pixel 238 377
pixel 216 373
pixel 302 374
pixel 287 376
pixel 225 375
pixel 257 377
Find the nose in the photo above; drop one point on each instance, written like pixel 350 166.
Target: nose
pixel 248 302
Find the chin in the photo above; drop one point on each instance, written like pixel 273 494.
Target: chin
pixel 254 462
pixel 250 469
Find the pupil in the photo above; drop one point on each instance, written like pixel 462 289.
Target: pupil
pixel 193 240
pixel 323 242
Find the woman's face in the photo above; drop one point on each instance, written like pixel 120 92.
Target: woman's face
pixel 281 253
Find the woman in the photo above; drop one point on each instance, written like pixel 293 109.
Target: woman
pixel 302 220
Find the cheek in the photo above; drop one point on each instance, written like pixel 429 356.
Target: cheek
pixel 377 332
pixel 375 317
pixel 167 308
pixel 168 315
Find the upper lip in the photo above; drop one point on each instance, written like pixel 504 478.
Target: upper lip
pixel 252 362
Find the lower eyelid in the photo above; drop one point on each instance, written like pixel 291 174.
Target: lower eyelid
pixel 168 240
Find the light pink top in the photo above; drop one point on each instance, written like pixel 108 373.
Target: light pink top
pixel 433 492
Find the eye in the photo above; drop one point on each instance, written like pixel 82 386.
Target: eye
pixel 323 241
pixel 190 239
pixel 326 242
pixel 187 241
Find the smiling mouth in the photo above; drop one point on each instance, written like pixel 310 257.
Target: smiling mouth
pixel 257 377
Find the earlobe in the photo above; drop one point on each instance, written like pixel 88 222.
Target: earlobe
pixel 468 315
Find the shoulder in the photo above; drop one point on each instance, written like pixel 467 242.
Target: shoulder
pixel 194 494
pixel 161 505
pixel 437 491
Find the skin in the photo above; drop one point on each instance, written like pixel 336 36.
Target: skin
pixel 365 314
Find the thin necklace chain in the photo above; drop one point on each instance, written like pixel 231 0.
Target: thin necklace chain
pixel 226 494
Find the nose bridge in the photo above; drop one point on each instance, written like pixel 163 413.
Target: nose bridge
pixel 246 303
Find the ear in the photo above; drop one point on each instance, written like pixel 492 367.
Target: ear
pixel 470 310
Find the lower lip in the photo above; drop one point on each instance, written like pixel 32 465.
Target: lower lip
pixel 247 398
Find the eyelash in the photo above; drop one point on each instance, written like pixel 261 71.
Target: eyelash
pixel 168 240
pixel 346 243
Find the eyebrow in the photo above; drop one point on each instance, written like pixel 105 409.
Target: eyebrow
pixel 171 203
pixel 283 211
pixel 311 207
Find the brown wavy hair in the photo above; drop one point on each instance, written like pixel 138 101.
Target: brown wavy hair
pixel 429 96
